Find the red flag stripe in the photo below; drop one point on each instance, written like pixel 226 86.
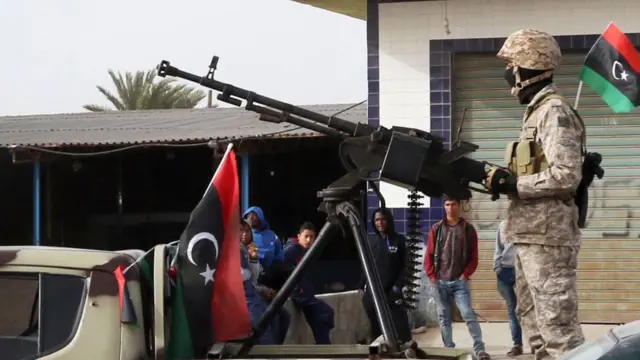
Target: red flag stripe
pixel 122 281
pixel 625 47
pixel 229 306
pixel 226 182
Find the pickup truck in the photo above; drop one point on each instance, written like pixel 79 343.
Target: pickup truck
pixel 63 303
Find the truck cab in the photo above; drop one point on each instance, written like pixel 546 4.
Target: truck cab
pixel 66 303
pixel 63 303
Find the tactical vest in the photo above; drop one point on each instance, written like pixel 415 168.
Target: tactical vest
pixel 526 156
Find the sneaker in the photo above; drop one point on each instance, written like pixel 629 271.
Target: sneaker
pixel 482 355
pixel 515 351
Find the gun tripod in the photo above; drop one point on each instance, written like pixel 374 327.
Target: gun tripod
pixel 338 204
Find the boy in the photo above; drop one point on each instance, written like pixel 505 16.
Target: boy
pixel 319 315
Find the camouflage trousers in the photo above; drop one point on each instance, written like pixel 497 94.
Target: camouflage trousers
pixel 547 296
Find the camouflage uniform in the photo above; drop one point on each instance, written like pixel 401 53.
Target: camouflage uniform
pixel 542 219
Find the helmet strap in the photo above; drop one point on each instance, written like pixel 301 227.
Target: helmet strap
pixel 523 84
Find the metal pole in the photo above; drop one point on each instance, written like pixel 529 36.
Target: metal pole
pixel 244 173
pixel 575 106
pixel 36 203
pixel 374 285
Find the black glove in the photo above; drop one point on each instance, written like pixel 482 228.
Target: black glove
pixel 500 181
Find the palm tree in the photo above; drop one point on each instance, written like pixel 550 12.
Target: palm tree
pixel 140 91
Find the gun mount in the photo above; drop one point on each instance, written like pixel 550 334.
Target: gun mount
pixel 410 158
pixel 406 157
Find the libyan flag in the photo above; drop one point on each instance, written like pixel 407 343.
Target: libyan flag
pixel 612 69
pixel 209 303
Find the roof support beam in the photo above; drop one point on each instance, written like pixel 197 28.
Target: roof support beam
pixel 352 8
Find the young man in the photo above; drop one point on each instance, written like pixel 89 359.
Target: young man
pixel 274 271
pixel 269 246
pixel 504 260
pixel 450 260
pixel 389 252
pixel 258 295
pixel 319 315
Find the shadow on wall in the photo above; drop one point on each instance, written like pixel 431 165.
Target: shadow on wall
pixel 425 314
pixel 349 273
pixel 346 272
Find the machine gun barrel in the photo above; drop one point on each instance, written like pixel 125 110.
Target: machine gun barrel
pixel 332 125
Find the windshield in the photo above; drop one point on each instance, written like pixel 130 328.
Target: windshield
pixel 592 350
pixel 38 313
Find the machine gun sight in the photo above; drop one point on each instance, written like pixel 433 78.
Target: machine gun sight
pixel 334 126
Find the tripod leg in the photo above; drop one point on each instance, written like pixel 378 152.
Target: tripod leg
pixel 281 297
pixel 373 282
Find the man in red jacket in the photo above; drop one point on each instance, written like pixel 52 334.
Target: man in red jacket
pixel 450 260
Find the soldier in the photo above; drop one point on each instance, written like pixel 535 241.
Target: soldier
pixel 544 171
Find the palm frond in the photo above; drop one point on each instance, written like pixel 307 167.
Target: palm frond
pixel 95 108
pixel 121 88
pixel 117 103
pixel 141 90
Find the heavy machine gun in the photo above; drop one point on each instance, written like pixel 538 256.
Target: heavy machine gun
pixel 406 157
pixel 410 158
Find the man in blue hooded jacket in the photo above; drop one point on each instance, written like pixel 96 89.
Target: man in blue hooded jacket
pixel 269 246
pixel 319 315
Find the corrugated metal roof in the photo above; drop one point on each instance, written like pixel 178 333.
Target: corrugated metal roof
pixel 153 126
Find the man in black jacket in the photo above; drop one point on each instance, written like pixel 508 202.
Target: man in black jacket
pixel 389 252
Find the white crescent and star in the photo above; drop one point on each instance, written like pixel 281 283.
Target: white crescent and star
pixel 623 75
pixel 208 273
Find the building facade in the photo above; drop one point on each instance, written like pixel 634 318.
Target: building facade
pixel 430 62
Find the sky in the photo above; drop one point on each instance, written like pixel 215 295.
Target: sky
pixel 56 52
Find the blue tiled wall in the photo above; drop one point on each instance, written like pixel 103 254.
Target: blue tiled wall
pixel 442 53
pixel 373 78
pixel 435 213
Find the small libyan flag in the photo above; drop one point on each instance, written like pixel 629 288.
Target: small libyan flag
pixel 612 69
pixel 127 312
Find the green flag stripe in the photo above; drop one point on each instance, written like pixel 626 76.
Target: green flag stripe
pixel 609 93
pixel 180 343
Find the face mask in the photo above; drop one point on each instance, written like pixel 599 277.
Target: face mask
pixel 510 77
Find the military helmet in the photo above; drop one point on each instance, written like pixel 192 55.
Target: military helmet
pixel 531 49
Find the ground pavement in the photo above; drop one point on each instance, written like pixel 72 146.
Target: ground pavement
pixel 497 338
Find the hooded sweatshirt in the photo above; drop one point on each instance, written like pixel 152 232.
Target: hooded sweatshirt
pixel 250 272
pixel 268 244
pixel 293 253
pixel 389 253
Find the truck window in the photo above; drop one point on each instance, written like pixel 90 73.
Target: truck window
pixel 39 313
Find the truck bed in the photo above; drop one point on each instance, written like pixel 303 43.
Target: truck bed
pixel 329 352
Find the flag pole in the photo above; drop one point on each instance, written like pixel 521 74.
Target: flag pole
pixel 144 256
pixel 224 157
pixel 575 105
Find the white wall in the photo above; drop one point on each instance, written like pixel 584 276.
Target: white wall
pixel 406 29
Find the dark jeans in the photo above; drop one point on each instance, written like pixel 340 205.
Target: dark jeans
pixel 506 284
pixel 399 317
pixel 280 326
pixel 319 316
